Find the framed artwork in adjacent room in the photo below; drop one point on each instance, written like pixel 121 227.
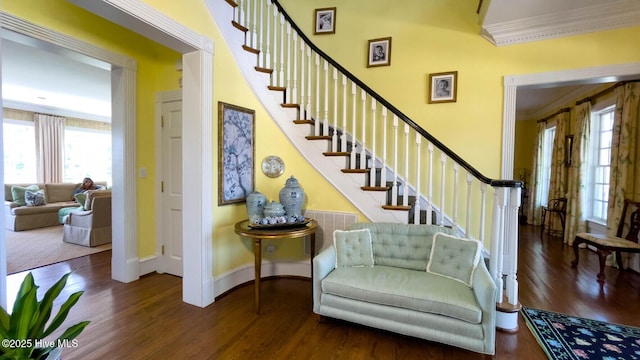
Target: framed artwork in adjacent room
pixel 443 87
pixel 325 21
pixel 379 52
pixel 236 153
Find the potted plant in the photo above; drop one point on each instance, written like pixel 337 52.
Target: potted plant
pixel 23 332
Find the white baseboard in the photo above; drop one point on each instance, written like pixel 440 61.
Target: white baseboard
pixel 148 265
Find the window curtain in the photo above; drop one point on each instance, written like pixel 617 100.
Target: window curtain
pixel 625 153
pixel 558 176
pixel 577 193
pixel 49 147
pixel 534 211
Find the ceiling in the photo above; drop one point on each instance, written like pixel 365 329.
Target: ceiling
pixel 39 77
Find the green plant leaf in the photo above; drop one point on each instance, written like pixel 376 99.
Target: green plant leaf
pixel 62 313
pixel 5 321
pixel 37 330
pixel 24 310
pixel 73 331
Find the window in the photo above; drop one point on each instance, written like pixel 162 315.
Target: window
pixel 19 151
pixel 87 154
pixel 600 163
pixel 547 151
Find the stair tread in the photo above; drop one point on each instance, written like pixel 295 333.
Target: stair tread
pixel 396 207
pixel 375 188
pixel 317 137
pixel 238 26
pixel 303 122
pixel 297 106
pixel 355 171
pixel 263 70
pixel 276 88
pixel 250 49
pixel 336 153
pixel 232 3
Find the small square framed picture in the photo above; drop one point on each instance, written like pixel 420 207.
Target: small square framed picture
pixel 325 21
pixel 379 52
pixel 443 87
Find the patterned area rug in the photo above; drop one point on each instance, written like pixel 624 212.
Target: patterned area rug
pixel 570 337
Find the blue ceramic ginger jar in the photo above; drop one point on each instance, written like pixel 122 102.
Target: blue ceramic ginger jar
pixel 292 197
pixel 256 202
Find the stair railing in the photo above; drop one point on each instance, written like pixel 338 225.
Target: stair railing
pixel 379 141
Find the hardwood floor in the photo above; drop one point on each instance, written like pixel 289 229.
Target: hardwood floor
pixel 147 319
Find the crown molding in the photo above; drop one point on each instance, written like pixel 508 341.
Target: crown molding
pixel 606 16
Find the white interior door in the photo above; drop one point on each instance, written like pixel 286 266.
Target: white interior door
pixel 171 187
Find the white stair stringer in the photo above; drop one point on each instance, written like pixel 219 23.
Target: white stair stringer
pixel 368 202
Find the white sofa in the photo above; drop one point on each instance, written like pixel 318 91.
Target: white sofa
pixel 406 279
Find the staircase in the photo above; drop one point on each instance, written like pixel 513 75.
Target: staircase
pixel 391 169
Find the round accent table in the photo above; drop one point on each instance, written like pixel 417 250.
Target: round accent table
pixel 258 234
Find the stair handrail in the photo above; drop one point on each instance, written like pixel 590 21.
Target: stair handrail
pixel 450 153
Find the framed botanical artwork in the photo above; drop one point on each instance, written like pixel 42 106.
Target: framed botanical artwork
pixel 443 87
pixel 379 52
pixel 325 21
pixel 236 153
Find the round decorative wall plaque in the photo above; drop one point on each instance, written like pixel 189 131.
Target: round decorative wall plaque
pixel 273 166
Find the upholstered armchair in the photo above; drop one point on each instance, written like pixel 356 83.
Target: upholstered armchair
pixel 91 225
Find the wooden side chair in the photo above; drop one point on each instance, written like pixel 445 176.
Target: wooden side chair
pixel 605 245
pixel 555 206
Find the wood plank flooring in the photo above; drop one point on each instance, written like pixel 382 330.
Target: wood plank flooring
pixel 147 319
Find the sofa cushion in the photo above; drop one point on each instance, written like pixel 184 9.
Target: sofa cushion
pixel 453 257
pixel 17 193
pixel 409 289
pixel 59 192
pixel 34 198
pixel 353 247
pixel 401 245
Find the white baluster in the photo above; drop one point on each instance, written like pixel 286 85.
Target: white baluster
pixel 352 161
pixel 274 75
pixel 303 110
pixel 430 186
pixel 308 107
pixel 334 137
pixel 416 206
pixel 287 92
pixel 468 216
pixel 363 150
pixel 325 123
pixel 343 134
pixel 267 35
pixel 405 191
pixel 454 212
pixel 394 186
pixel 443 159
pixel 261 34
pixel 383 169
pixel 483 208
pixel 316 121
pixel 281 80
pixel 294 92
pixel 372 172
pixel 241 19
pixel 254 35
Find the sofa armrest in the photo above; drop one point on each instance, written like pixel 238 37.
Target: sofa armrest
pixel 323 264
pixel 486 290
pixel 79 218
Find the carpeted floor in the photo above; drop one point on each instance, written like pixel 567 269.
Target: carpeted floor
pixel 570 337
pixel 39 247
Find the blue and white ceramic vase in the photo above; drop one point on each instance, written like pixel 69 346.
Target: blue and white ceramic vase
pixel 292 197
pixel 255 206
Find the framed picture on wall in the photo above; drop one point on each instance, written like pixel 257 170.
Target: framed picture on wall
pixel 379 53
pixel 443 87
pixel 236 153
pixel 325 21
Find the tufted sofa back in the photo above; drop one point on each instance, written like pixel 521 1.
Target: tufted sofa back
pixel 401 245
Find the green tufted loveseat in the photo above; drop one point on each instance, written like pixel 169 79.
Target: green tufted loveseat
pixel 397 293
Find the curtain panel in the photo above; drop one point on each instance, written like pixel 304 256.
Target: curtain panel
pixel 577 178
pixel 49 131
pixel 535 189
pixel 558 177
